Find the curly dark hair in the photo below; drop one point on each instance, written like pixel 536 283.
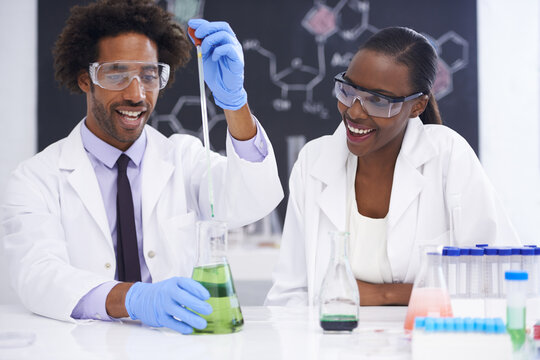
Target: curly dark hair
pixel 77 45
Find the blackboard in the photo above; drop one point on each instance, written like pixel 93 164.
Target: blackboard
pixel 292 50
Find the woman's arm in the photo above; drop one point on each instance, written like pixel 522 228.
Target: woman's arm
pixel 383 294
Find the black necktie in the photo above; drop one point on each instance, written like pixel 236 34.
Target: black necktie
pixel 127 253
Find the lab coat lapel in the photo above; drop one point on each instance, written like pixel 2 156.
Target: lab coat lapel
pixel 157 170
pixel 83 179
pixel 330 170
pixel 408 181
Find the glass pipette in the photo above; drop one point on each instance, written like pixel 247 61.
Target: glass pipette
pixel 204 114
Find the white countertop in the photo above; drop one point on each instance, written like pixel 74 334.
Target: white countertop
pixel 268 333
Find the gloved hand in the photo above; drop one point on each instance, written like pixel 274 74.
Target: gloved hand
pixel 160 303
pixel 223 62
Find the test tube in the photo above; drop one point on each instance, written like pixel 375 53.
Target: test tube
pixel 491 272
pixel 504 259
pixel 516 301
pixel 475 284
pixel 527 265
pixel 515 259
pixel 450 263
pixel 464 258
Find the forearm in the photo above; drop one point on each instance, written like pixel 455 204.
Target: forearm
pixel 116 300
pixel 383 294
pixel 240 122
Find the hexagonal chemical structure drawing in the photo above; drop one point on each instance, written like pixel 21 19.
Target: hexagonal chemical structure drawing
pixel 443 81
pixel 320 21
pixel 457 40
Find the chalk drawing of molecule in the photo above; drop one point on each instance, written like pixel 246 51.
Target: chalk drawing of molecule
pixel 323 22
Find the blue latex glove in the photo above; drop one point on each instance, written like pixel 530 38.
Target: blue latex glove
pixel 223 62
pixel 160 303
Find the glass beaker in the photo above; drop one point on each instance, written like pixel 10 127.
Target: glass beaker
pixel 429 295
pixel 213 272
pixel 339 299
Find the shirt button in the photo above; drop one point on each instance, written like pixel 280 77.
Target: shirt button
pixel 151 254
pixel 107 265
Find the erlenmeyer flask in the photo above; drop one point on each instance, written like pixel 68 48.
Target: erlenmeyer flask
pixel 339 299
pixel 429 295
pixel 213 272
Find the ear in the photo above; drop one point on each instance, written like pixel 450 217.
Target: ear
pixel 419 106
pixel 84 81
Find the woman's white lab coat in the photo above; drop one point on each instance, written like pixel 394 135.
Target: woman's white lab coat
pixel 56 235
pixel 440 195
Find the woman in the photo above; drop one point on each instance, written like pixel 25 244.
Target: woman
pixel 391 175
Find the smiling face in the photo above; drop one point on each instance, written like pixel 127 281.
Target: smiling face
pixel 370 135
pixel 118 117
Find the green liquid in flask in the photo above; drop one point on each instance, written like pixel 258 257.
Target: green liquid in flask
pixel 226 316
pixel 339 322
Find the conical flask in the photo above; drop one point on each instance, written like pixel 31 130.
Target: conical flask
pixel 429 295
pixel 213 272
pixel 339 299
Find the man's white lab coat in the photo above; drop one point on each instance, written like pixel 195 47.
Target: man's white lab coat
pixel 440 195
pixel 56 235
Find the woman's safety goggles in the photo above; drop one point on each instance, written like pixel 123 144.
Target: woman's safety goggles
pixel 117 75
pixel 373 103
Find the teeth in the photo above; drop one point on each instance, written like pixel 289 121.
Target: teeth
pixel 130 113
pixel 359 131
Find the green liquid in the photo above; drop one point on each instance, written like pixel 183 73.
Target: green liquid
pixel 339 322
pixel 227 316
pixel 515 325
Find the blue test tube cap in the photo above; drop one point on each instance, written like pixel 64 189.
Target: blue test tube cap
pixel 526 251
pixel 459 324
pixel 490 326
pixel 452 251
pixel 464 251
pixel 516 275
pixel 439 324
pixel 504 251
pixel 500 328
pixel 476 251
pixel 449 324
pixel 481 245
pixel 516 251
pixel 537 251
pixel 419 322
pixel 469 324
pixel 479 325
pixel 429 324
pixel 490 251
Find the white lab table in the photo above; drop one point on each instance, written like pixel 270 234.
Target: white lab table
pixel 268 333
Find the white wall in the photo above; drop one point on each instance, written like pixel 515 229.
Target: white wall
pixel 509 95
pixel 18 96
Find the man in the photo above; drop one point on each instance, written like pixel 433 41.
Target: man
pixel 101 224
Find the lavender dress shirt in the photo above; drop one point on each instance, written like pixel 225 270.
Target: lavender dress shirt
pixel 103 158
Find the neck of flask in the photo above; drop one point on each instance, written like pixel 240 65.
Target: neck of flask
pixel 212 243
pixel 340 242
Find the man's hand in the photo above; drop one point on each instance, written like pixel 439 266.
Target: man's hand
pixel 166 304
pixel 223 62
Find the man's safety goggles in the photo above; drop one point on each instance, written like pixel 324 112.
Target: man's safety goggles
pixel 373 103
pixel 117 75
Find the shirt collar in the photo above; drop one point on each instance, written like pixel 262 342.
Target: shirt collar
pixel 108 154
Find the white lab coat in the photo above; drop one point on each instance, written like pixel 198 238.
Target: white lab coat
pixel 56 235
pixel 440 195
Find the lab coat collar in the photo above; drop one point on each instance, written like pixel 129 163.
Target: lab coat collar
pixel 158 167
pixel 330 170
pixel 73 158
pixel 408 182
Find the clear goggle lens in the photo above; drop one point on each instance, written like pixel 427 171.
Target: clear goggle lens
pixel 118 75
pixel 373 105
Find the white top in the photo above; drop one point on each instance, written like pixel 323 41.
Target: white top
pixel 368 254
